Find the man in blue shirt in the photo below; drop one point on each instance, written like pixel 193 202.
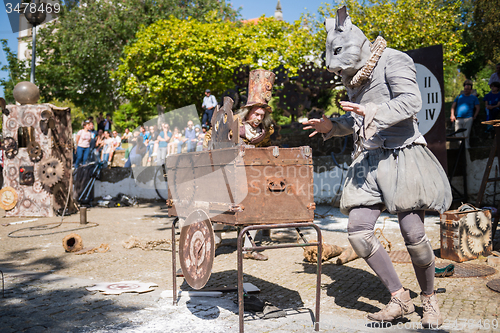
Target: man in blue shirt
pixel 189 137
pixel 464 110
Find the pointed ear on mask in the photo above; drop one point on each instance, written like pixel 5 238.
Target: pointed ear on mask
pixel 343 20
pixel 329 24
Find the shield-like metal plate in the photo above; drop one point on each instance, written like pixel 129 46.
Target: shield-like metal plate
pixel 197 249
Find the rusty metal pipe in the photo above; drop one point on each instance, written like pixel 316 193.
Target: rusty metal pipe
pixel 255 248
pixel 83 215
pixel 174 268
pixel 241 310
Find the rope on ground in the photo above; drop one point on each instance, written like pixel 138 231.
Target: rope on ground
pixel 134 242
pixel 101 249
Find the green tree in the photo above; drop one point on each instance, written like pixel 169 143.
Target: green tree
pixel 17 72
pixel 482 27
pixel 78 51
pixel 131 116
pixel 408 24
pixel 77 114
pixel 173 61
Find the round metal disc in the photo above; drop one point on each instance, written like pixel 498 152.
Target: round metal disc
pixel 401 257
pixel 197 249
pixel 494 285
pixel 465 270
pixel 8 198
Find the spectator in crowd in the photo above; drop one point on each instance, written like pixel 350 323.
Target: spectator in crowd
pixel 82 142
pixel 174 141
pixel 117 141
pixel 208 105
pixel 137 153
pixel 107 148
pixel 93 135
pixel 108 122
pixel 100 122
pixel 464 110
pixel 153 135
pixel 492 103
pixel 189 138
pixel 163 140
pixel 200 137
pixel 99 143
pixel 126 135
pixel 143 133
pixel 495 77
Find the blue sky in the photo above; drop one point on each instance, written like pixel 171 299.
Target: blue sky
pixel 292 9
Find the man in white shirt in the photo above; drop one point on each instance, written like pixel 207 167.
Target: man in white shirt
pixel 209 104
pixel 117 141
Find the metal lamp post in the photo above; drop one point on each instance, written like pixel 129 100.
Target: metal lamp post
pixel 35 14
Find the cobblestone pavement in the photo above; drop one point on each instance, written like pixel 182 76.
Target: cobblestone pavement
pixel 43 297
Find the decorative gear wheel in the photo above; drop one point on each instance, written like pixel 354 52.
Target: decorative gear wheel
pixel 484 223
pixel 59 193
pixel 478 244
pixel 8 198
pixel 35 151
pixel 51 171
pixel 10 147
pixel 471 222
pixel 464 243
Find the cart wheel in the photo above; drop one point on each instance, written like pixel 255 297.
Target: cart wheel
pixel 160 180
pixel 197 249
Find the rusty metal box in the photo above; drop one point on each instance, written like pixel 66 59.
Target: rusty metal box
pixel 465 235
pixel 243 185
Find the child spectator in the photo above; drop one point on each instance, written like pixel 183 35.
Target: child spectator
pixel 107 148
pixel 174 141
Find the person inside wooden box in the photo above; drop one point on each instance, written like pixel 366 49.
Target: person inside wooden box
pixel 255 128
pixel 392 168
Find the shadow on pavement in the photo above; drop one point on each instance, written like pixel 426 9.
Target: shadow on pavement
pixel 44 302
pixel 351 284
pixel 279 296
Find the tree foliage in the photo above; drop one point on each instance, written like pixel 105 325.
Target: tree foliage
pixel 78 51
pixel 173 61
pixel 482 25
pixel 17 72
pixel 408 24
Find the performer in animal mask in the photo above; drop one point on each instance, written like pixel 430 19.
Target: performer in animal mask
pixel 392 168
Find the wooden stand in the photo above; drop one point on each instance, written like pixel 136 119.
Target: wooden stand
pixel 246 230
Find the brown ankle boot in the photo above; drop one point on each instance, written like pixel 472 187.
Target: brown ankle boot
pixel 399 306
pixel 432 316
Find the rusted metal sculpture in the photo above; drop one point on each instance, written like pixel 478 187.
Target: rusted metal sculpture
pixel 38 150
